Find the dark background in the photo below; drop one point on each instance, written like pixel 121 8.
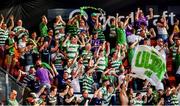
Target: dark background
pixel 30 11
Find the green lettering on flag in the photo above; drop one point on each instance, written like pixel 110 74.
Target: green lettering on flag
pixel 146 59
pixel 148 73
pixel 138 62
pixel 149 60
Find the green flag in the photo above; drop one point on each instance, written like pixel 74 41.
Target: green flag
pixel 149 64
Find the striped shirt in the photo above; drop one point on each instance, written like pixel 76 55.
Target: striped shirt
pixel 3 36
pixel 101 35
pixel 101 64
pixel 87 83
pixel 115 64
pixel 103 89
pixel 51 100
pixel 28 78
pixel 87 56
pixel 59 57
pixel 137 102
pixel 72 49
pixel 107 98
pixel 112 31
pixel 174 51
pixel 57 27
pixel 174 100
pixel 20 30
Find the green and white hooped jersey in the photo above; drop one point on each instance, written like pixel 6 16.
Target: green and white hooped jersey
pixel 174 100
pixel 72 49
pixel 87 83
pixel 87 56
pixel 3 36
pixel 20 28
pixel 138 102
pixel 174 51
pixel 112 31
pixel 101 64
pixel 57 27
pixel 58 61
pixel 60 36
pixel 115 64
pixel 101 35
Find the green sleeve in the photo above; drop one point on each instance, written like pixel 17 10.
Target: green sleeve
pixel 177 61
pixel 130 54
pixel 43 30
pixel 45 65
pixel 121 36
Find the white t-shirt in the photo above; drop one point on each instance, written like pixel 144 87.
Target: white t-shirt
pixel 162 30
pixel 22 45
pixel 75 84
pixel 132 38
pixel 163 53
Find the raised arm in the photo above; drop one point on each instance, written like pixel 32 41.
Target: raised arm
pixel 97 53
pixel 151 14
pixel 126 21
pixel 2 20
pixel 134 44
pixel 62 21
pixel 64 43
pixel 81 43
pixel 137 14
pixel 97 22
pixel 12 23
pixel 171 38
pixel 117 20
pixel 108 49
pixel 41 48
pixel 55 48
pixel 152 33
pixel 178 51
pixel 74 60
pixel 94 67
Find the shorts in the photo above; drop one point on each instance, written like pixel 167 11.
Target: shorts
pixel 164 37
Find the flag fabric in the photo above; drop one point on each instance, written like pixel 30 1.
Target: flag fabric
pixel 148 64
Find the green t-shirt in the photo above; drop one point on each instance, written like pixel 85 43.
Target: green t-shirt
pixel 10 42
pixel 12 103
pixel 43 29
pixel 121 36
pixel 177 61
pixel 130 54
pixel 72 29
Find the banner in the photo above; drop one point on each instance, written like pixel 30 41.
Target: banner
pixel 148 64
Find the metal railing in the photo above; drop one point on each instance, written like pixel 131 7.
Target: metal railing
pixel 8 83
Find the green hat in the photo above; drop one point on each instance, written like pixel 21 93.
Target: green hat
pixel 104 79
pixel 93 14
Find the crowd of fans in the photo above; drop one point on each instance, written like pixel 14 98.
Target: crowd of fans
pixel 84 56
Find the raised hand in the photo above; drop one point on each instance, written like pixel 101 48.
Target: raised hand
pixel 11 17
pixel 2 17
pixel 150 9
